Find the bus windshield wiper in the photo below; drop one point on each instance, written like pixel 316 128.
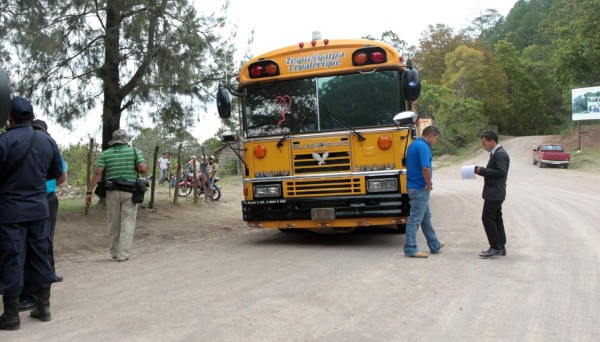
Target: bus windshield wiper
pixel 280 142
pixel 340 122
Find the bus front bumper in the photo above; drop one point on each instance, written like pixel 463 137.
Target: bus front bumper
pixel 346 211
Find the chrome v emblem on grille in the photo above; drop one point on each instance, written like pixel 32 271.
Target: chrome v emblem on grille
pixel 319 158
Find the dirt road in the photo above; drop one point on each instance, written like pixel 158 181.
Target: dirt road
pixel 216 280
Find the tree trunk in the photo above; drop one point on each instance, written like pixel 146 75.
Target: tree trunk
pixel 111 112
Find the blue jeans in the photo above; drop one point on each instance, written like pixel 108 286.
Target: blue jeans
pixel 419 215
pixel 163 176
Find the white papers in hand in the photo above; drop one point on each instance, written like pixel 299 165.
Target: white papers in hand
pixel 468 172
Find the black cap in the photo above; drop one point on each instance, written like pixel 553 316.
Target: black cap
pixel 20 108
pixel 41 124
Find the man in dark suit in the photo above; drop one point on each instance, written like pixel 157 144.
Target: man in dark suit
pixel 494 193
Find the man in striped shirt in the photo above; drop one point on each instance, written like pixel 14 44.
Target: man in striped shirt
pixel 121 163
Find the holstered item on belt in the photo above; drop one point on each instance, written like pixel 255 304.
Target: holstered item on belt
pixel 141 186
pixel 120 185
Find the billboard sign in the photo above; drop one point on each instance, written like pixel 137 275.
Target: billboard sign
pixel 585 103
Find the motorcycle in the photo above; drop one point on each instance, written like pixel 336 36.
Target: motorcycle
pixel 185 187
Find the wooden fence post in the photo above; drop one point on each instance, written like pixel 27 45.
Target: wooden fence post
pixel 151 204
pixel 195 180
pixel 175 195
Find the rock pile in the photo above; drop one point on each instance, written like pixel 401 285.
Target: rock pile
pixel 65 191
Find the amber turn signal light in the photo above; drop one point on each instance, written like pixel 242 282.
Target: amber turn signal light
pixel 260 151
pixel 384 142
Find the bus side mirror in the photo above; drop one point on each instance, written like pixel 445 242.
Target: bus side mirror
pixel 4 97
pixel 223 103
pixel 411 85
pixel 229 137
pixel 405 118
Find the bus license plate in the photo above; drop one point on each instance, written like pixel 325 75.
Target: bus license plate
pixel 322 214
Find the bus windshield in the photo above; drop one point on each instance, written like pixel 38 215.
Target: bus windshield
pixel 313 104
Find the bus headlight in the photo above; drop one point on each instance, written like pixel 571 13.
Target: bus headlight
pixel 382 185
pixel 271 190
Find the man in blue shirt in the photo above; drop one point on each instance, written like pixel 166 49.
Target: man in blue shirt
pixel 24 218
pixel 418 175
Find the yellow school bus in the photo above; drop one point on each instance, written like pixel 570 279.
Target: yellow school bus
pixel 326 126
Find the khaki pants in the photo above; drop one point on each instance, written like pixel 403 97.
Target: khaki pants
pixel 122 213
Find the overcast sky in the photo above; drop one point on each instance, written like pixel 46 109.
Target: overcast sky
pixel 279 23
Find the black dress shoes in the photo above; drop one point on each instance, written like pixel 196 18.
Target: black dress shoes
pixel 490 253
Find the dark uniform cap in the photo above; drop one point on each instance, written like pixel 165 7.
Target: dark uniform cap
pixel 20 108
pixel 41 124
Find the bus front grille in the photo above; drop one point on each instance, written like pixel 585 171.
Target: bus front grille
pixel 323 187
pixel 322 163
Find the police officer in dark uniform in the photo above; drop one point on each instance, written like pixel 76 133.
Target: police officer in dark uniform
pixel 28 299
pixel 27 159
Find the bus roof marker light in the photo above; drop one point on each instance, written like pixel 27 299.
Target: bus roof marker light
pixel 326 41
pixel 301 45
pixel 256 70
pixel 313 43
pixel 272 69
pixel 360 58
pixel 378 56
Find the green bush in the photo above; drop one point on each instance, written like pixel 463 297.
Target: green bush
pixel 76 158
pixel 230 169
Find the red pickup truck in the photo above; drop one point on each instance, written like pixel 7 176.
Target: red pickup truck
pixel 551 154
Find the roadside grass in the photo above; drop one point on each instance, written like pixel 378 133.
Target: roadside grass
pixel 587 159
pixel 71 205
pixel 466 152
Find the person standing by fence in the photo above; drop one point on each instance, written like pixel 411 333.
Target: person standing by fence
pixel 211 170
pixel 163 164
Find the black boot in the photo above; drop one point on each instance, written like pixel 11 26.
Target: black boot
pixel 10 318
pixel 26 304
pixel 42 311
